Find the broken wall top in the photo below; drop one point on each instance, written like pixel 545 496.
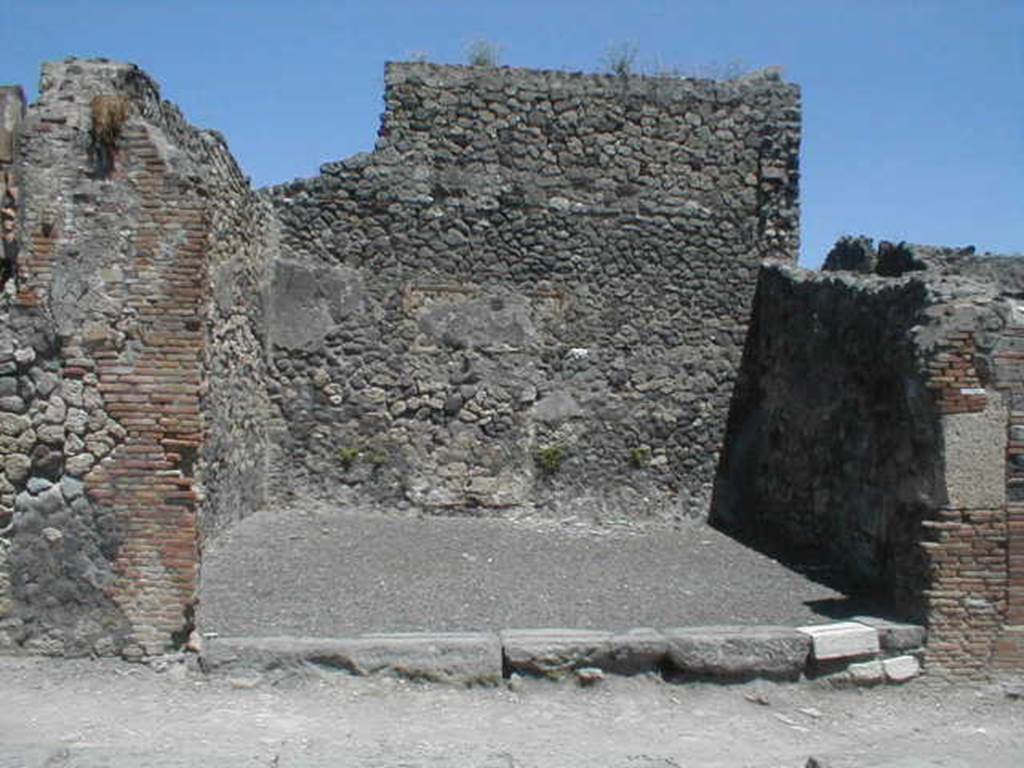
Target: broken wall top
pixel 704 153
pixel 939 265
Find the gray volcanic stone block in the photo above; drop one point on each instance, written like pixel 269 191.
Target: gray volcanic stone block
pixel 555 652
pixel 894 635
pixel 465 658
pixel 900 669
pixel 738 652
pixel 637 651
pixel 866 672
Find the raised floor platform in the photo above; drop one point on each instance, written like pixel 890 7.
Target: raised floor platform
pixel 338 573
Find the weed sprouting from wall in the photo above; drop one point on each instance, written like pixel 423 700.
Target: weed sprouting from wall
pixel 373 455
pixel 640 456
pixel 550 458
pixel 483 53
pixel 620 60
pixel 109 114
pixel 347 457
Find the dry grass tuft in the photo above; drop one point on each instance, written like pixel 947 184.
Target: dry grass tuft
pixel 109 114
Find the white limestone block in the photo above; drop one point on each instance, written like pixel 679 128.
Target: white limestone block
pixel 842 640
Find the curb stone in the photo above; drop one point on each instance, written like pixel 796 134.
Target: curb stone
pixel 738 652
pixel 467 658
pixel 554 653
pixel 728 653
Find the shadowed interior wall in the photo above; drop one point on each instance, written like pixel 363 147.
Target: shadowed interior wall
pixel 869 434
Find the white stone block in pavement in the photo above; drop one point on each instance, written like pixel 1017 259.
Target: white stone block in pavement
pixel 847 639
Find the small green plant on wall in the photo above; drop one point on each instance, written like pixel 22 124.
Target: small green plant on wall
pixel 374 455
pixel 640 456
pixel 378 457
pixel 550 458
pixel 348 456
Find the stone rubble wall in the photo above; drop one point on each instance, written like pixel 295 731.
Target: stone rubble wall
pixel 117 433
pixel 532 295
pixel 869 435
pixel 12 110
pixel 818 459
pixel 537 295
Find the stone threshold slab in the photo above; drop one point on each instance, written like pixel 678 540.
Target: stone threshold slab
pixel 728 653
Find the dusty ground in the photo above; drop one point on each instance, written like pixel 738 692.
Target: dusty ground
pixel 341 572
pixel 82 713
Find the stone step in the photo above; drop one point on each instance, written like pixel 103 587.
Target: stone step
pixel 726 653
pixel 843 640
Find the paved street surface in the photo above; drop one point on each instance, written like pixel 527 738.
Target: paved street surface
pixel 83 714
pixel 336 573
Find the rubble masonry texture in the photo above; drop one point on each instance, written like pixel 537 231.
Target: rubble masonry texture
pixel 536 295
pixel 133 310
pixel 529 265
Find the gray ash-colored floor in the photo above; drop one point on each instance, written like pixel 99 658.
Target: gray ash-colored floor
pixel 291 572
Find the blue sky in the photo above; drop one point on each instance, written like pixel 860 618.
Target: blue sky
pixel 913 111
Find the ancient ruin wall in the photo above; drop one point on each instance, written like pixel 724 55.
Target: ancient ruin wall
pixel 820 461
pixel 12 110
pixel 869 433
pixel 129 222
pixel 534 293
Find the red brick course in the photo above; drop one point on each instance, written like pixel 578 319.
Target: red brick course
pixel 975 603
pixel 153 392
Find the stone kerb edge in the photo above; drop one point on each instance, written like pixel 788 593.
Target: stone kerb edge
pixel 716 653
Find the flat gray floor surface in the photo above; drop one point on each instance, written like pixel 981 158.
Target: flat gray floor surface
pixel 332 574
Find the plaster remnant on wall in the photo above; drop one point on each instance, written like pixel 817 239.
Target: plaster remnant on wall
pixel 307 301
pixel 975 447
pixel 497 323
pixel 12 110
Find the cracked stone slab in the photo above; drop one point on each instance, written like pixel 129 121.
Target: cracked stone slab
pixel 738 652
pixel 637 651
pixel 555 652
pixel 464 658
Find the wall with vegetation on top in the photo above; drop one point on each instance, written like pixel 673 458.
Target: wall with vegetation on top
pixel 533 294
